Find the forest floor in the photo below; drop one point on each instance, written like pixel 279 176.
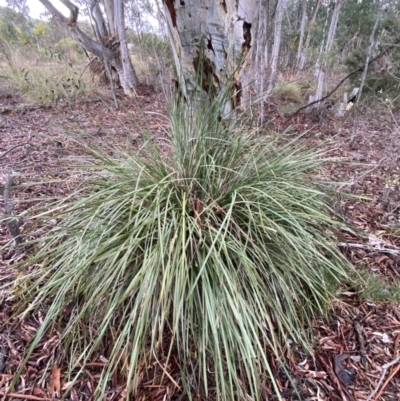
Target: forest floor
pixel 356 352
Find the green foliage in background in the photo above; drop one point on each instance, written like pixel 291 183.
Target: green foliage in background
pixel 15 28
pixel 153 49
pixel 383 75
pixel 66 45
pixel 373 287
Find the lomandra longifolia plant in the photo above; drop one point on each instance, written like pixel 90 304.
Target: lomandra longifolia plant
pixel 214 254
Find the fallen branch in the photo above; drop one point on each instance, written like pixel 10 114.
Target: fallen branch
pixel 12 223
pixel 369 248
pixel 25 143
pixel 24 107
pixel 20 108
pixel 15 147
pixel 385 368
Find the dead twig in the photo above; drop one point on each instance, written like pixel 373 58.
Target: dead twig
pixel 15 147
pixel 395 370
pixel 363 351
pixel 12 223
pixel 363 175
pixel 385 368
pixel 23 396
pixel 3 355
pixel 25 143
pixel 369 248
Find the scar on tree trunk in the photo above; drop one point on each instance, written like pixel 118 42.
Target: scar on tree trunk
pixel 246 46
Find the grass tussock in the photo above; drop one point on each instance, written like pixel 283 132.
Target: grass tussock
pixel 375 288
pixel 214 255
pixel 288 91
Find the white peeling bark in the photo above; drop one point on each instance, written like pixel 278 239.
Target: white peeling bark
pixel 321 66
pixel 333 25
pixel 280 10
pixel 370 48
pixel 310 25
pixel 261 56
pixel 127 75
pixel 110 13
pixel 302 31
pixel 227 29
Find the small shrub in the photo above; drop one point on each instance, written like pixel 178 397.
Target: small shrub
pixel 215 252
pixel 70 50
pixel 288 109
pixel 51 88
pixel 375 288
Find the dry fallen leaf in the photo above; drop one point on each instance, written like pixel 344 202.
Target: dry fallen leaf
pixel 39 392
pixel 54 384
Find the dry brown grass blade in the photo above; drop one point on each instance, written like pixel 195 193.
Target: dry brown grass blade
pixel 24 396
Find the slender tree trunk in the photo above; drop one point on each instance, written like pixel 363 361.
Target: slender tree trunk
pixel 333 25
pixel 137 21
pixel 98 20
pixel 261 56
pixel 302 31
pixel 127 75
pixel 370 48
pixel 280 10
pixel 310 26
pixel 110 13
pixel 322 65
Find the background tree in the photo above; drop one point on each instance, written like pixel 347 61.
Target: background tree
pixel 279 12
pixel 302 31
pixel 370 48
pixel 109 46
pixel 321 65
pixel 15 27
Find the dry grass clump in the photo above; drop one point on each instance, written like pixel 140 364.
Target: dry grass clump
pixel 287 91
pixel 46 77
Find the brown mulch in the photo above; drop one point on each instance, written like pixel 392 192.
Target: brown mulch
pixel 356 352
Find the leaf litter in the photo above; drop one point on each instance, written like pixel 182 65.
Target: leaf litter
pixel 356 353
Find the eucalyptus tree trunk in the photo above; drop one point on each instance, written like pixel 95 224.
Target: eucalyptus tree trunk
pixel 308 39
pixel 127 75
pixel 370 48
pixel 302 31
pixel 333 25
pixel 273 69
pixel 226 29
pixel 110 14
pixel 110 45
pixel 261 56
pixel 322 62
